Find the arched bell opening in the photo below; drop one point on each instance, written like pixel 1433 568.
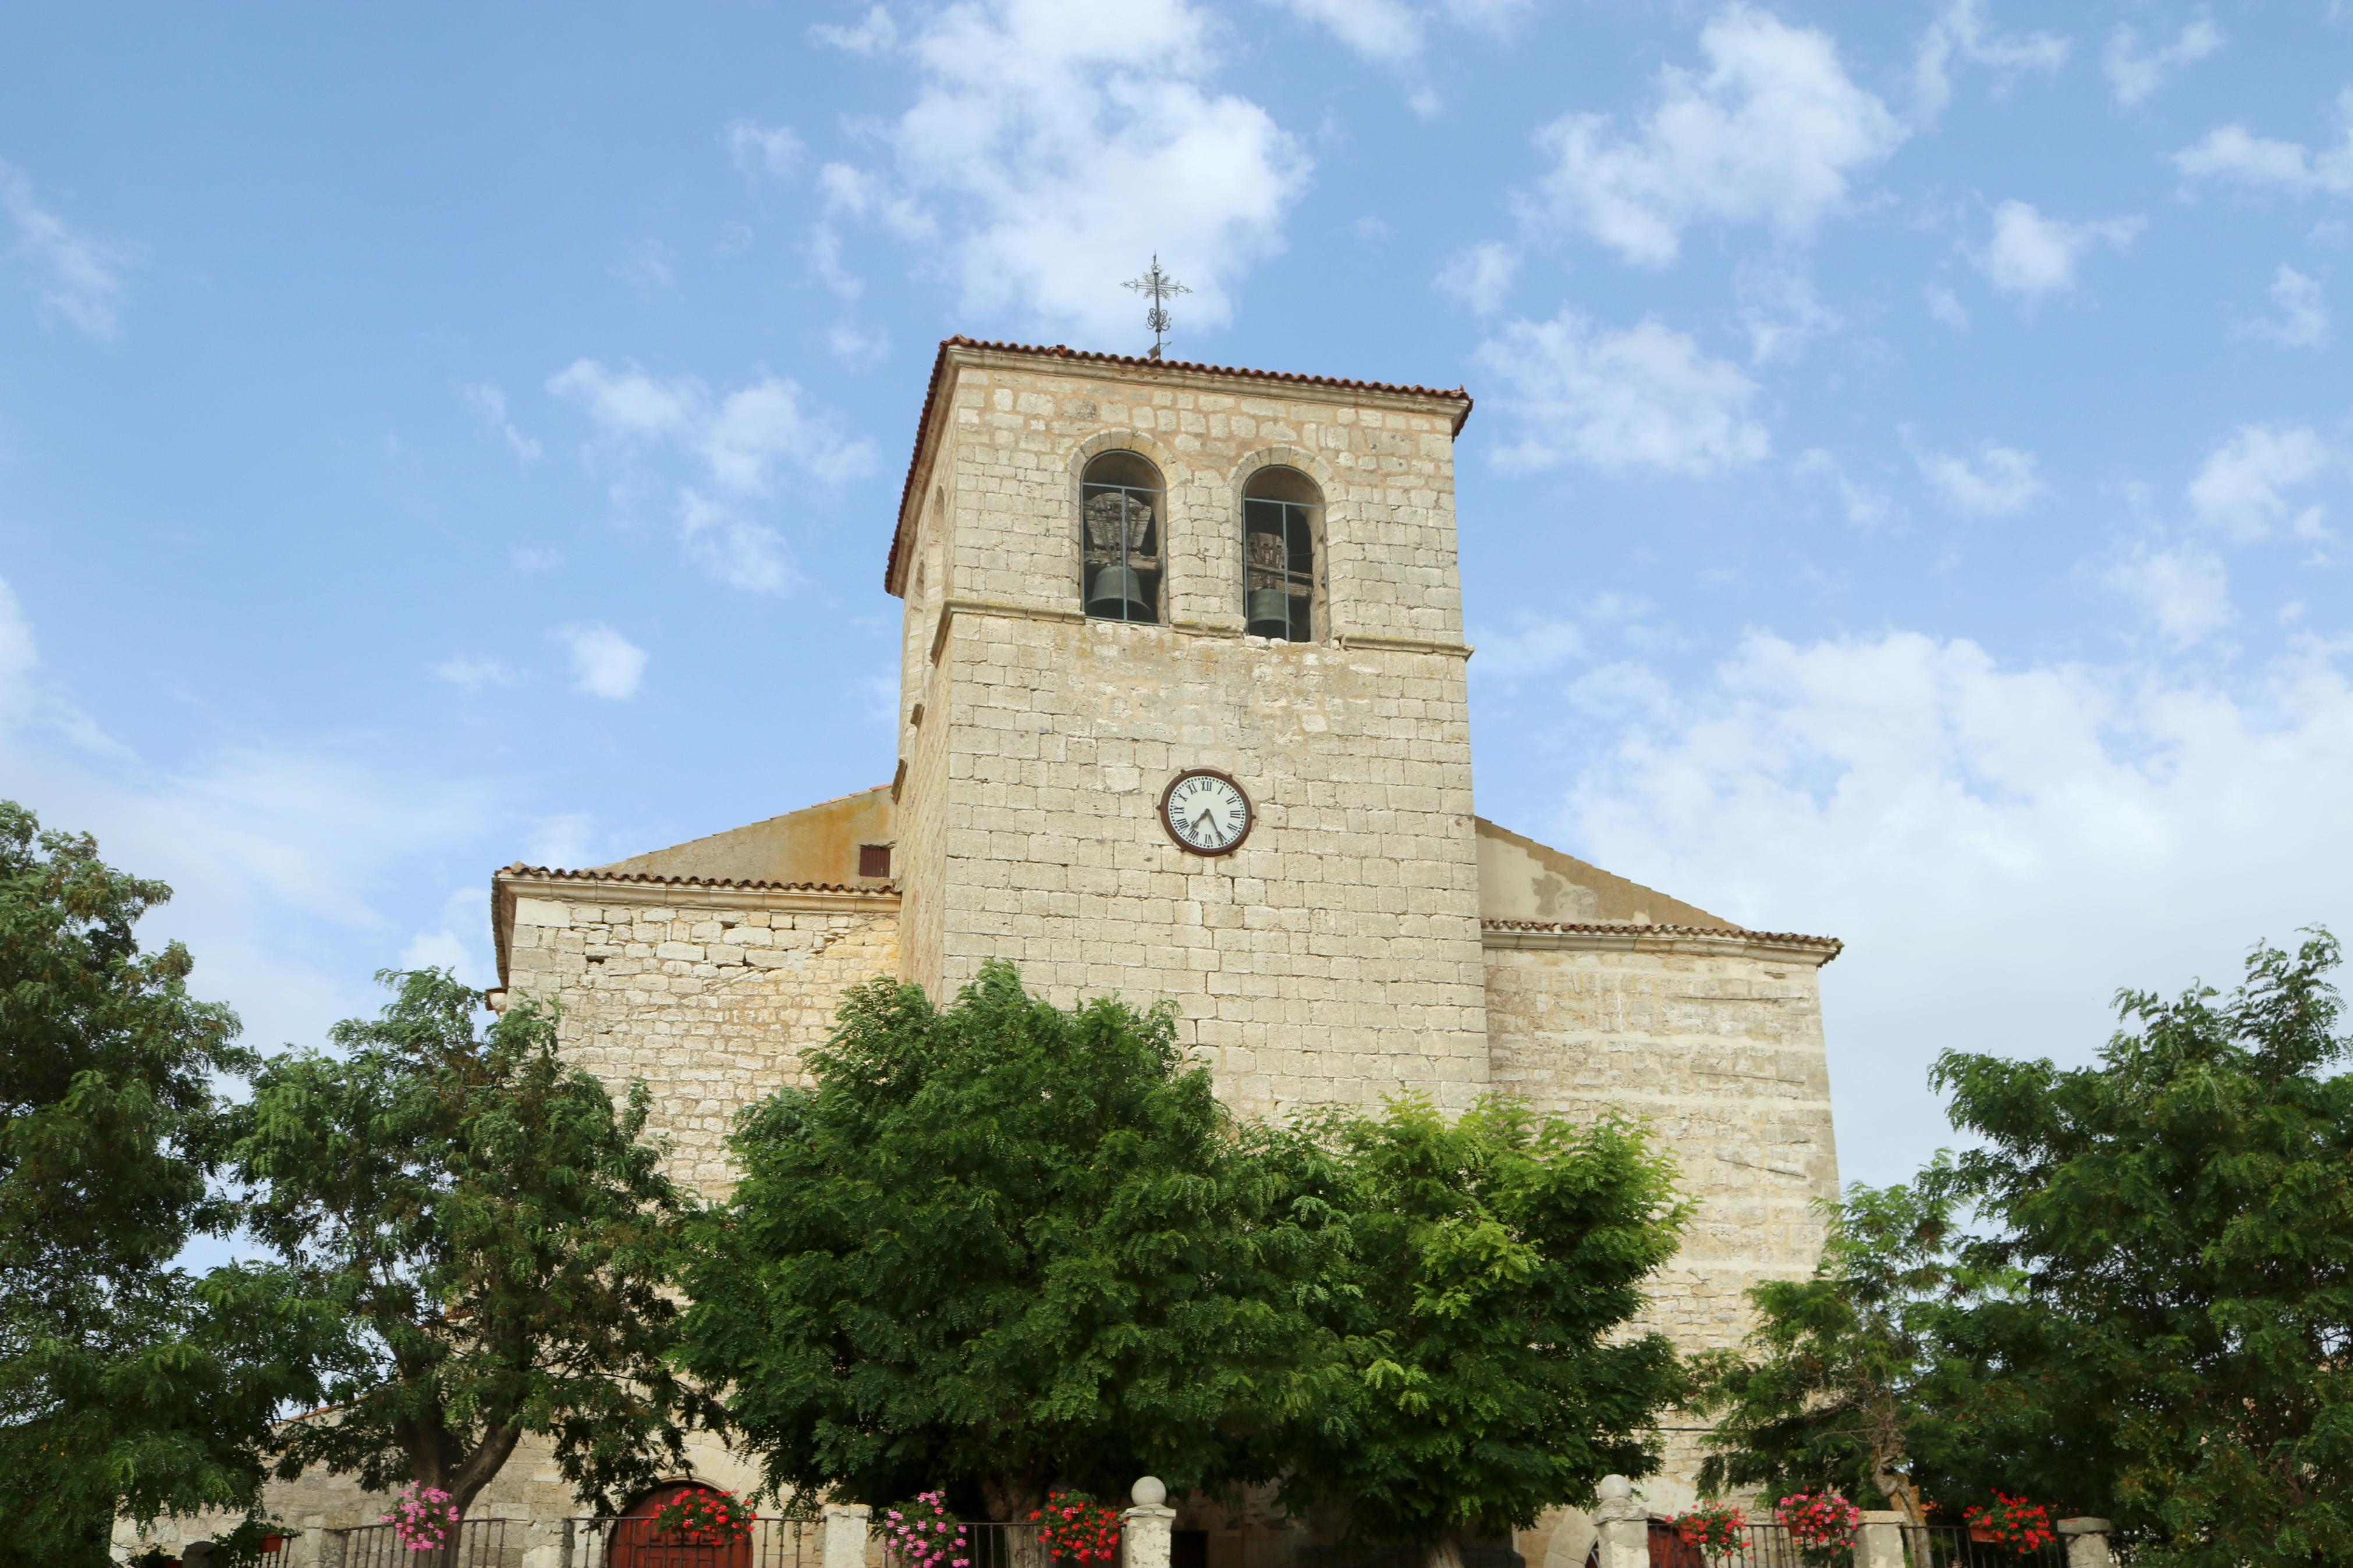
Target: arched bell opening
pixel 1283 520
pixel 1123 505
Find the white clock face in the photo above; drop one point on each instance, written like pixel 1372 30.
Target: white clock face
pixel 1206 812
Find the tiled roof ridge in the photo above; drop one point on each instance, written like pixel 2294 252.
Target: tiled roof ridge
pixel 1621 926
pixel 1097 356
pixel 593 875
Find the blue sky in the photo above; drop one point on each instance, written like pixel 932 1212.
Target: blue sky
pixel 1905 499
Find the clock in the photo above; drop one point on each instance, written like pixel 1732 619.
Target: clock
pixel 1206 812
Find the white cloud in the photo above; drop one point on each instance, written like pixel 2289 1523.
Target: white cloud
pixel 74 277
pixel 488 402
pixel 734 239
pixel 1642 398
pixel 2001 483
pixel 1946 306
pixel 2135 75
pixel 1864 506
pixel 875 34
pixel 1773 131
pixel 2233 156
pixel 2303 318
pixel 1058 145
pixel 1961 34
pixel 603 663
pixel 285 857
pixel 532 560
pixel 853 345
pixel 1482 276
pixel 474 674
pixel 459 941
pixel 742 441
pixel 738 551
pixel 761 152
pixel 1779 311
pixel 1386 32
pixel 2001 846
pixel 649 267
pixel 1535 645
pixel 2241 488
pixel 2030 255
pixel 2184 588
pixel 562 840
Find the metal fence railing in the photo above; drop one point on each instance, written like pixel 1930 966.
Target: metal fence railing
pixel 1345 1555
pixel 276 1551
pixel 986 1545
pixel 480 1544
pixel 1950 1546
pixel 1761 1546
pixel 636 1544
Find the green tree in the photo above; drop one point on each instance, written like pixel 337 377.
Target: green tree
pixel 1859 1377
pixel 1003 1247
pixel 127 1385
pixel 1480 1320
pixel 498 1238
pixel 2182 1217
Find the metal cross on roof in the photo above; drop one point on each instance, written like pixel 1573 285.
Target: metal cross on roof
pixel 1159 288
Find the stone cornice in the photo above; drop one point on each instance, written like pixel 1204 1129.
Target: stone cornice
pixel 1786 947
pixel 1342 642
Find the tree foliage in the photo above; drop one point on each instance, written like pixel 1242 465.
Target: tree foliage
pixel 2181 1215
pixel 1004 1246
pixel 127 1384
pixel 1480 1314
pixel 1010 1248
pixel 496 1236
pixel 1863 1378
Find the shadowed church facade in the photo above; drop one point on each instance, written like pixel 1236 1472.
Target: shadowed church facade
pixel 1183 716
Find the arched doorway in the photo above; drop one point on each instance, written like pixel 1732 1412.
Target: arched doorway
pixel 634 1543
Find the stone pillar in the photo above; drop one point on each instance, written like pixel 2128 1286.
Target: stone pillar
pixel 547 1543
pixel 302 1551
pixel 1148 1533
pixel 1880 1542
pixel 332 1545
pixel 845 1527
pixel 2087 1542
pixel 1624 1525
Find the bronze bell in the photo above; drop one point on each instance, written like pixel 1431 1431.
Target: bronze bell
pixel 1118 596
pixel 1270 612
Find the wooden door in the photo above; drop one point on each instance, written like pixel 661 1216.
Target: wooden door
pixel 635 1544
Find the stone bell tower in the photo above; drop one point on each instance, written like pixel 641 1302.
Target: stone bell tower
pixel 1127 578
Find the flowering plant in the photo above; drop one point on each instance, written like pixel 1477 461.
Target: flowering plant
pixel 1074 1527
pixel 423 1518
pixel 1718 1527
pixel 925 1534
pixel 703 1516
pixel 1817 1522
pixel 2013 1521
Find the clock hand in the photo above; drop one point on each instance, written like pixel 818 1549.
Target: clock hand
pixel 1205 819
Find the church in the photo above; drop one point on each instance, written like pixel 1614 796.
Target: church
pixel 1183 716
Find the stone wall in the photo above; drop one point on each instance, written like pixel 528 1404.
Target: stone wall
pixel 707 992
pixel 1714 1039
pixel 1334 956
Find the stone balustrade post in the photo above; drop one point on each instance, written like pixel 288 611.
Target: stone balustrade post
pixel 1624 1525
pixel 333 1547
pixel 303 1549
pixel 2087 1542
pixel 844 1533
pixel 547 1543
pixel 1147 1532
pixel 1879 1543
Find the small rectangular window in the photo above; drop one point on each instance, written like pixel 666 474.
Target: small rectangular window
pixel 875 860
